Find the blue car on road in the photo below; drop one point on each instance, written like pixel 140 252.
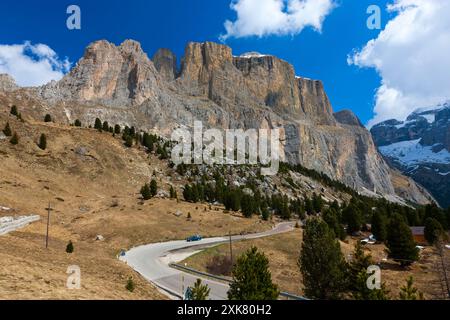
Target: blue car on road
pixel 197 237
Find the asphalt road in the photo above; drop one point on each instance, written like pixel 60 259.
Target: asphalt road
pixel 152 262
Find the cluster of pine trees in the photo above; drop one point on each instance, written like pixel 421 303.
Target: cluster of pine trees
pixel 14 137
pixel 327 275
pixel 148 191
pixel 249 200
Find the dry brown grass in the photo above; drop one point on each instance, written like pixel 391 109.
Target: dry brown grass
pixel 92 194
pixel 283 252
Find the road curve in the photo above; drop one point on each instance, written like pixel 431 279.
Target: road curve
pixel 152 262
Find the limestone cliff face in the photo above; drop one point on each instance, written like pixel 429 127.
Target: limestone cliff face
pixel 7 83
pixel 109 75
pixel 166 64
pixel 120 84
pixel 210 70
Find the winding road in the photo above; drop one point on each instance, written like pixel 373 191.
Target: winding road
pixel 153 261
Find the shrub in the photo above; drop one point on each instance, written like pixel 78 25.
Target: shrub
pixel 145 192
pixel 153 187
pixel 69 247
pixel 14 111
pixel 173 193
pixel 15 139
pixel 77 123
pixel 43 142
pixel 200 292
pixel 7 131
pixel 130 286
pixel 98 124
pixel 128 141
pixel 220 265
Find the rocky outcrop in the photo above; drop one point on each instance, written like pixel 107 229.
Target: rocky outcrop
pixel 347 117
pixel 108 75
pixel 420 148
pixel 7 83
pixel 165 62
pixel 120 84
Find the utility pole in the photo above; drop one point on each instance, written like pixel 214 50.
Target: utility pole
pixel 231 250
pixel 182 287
pixel 440 247
pixel 48 225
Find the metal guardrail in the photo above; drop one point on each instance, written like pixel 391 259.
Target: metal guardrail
pixel 286 295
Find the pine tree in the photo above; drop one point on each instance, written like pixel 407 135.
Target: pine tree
pixel 248 206
pixel 317 203
pixel 14 111
pixel 400 241
pixel 362 292
pixel 7 131
pixel 353 217
pixel 265 213
pixel 130 286
pixel 129 141
pixel 321 262
pixel 153 188
pixel 358 277
pixel 433 231
pixel 15 139
pixel 200 292
pixel 43 142
pixel 117 129
pixel 69 247
pixel 309 206
pixel 173 193
pixel 447 215
pixel 252 279
pixel 77 123
pixel 105 126
pixel 98 124
pixel 145 192
pixel 330 216
pixel 187 193
pixel 409 292
pixel 48 118
pixel 379 226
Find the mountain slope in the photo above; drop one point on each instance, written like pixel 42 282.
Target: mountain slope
pixel 420 148
pixel 120 84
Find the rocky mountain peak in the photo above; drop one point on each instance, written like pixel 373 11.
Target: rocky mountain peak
pixel 121 85
pixel 132 47
pixel 347 117
pixel 112 75
pixel 420 147
pixel 165 62
pixel 7 83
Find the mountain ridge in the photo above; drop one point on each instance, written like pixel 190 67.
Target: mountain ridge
pixel 420 148
pixel 121 84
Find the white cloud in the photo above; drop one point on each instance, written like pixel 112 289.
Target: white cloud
pixel 32 65
pixel 412 57
pixel 276 17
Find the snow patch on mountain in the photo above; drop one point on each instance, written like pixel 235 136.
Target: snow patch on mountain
pixel 410 153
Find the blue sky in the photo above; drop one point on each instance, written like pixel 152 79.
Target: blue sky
pixel 173 23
